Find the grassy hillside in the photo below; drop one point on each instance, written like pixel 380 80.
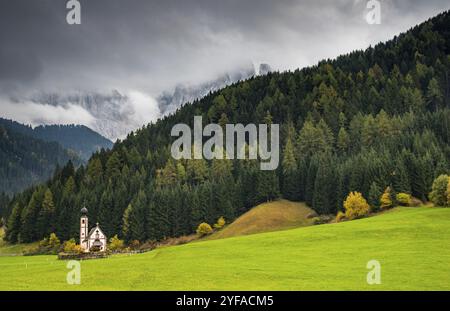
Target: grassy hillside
pixel 410 243
pixel 14 249
pixel 266 217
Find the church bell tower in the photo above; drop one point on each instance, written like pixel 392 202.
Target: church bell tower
pixel 84 229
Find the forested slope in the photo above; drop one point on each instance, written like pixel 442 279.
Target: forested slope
pixel 361 122
pixel 25 161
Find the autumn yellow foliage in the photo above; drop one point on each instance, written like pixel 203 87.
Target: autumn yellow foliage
pixel 340 216
pixel 204 229
pixel 448 192
pixel 404 199
pixel 220 223
pixel 355 206
pixel 385 200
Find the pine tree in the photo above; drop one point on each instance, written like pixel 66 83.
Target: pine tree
pixel 29 217
pixel 375 193
pixel 290 174
pixel 434 94
pixel 400 178
pixel 134 219
pixel 310 182
pixel 324 188
pixel 126 228
pixel 327 135
pixel 343 140
pixel 113 166
pixel 223 121
pixel 267 186
pixel 197 171
pixel 13 227
pixel 45 219
pixel 94 171
pixel 311 140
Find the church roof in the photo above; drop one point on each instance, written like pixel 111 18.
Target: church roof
pixel 97 227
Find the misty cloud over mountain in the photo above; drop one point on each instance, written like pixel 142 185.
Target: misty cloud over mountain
pixel 169 102
pixel 114 114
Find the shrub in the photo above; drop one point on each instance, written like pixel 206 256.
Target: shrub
pixel 204 229
pixel 135 244
pixel 311 215
pixel 448 192
pixel 47 246
pixel 53 242
pixel 43 243
pixel 340 216
pixel 115 244
pixel 71 247
pixel 220 223
pixel 438 194
pixel 322 219
pixel 404 199
pixel 149 245
pixel 355 206
pixel 386 200
pixel 316 220
pixel 416 202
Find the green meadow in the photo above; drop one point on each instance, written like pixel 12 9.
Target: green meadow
pixel 411 244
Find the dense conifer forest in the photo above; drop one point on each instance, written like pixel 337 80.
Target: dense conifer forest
pixel 25 160
pixel 363 122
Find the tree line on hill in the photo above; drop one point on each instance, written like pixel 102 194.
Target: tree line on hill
pixel 30 155
pixel 364 122
pixel 79 139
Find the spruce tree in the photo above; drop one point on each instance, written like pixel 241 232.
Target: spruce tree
pixel 375 193
pixel 290 173
pixel 45 223
pixel 324 188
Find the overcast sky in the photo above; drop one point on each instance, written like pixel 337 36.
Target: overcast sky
pixel 147 46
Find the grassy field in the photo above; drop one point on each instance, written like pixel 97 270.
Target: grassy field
pixel 266 217
pixel 412 245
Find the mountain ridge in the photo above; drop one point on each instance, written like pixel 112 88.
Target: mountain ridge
pixel 80 139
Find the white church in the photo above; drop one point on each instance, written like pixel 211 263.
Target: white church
pixel 93 240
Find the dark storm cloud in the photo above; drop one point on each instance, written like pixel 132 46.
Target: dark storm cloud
pixel 151 43
pixel 149 46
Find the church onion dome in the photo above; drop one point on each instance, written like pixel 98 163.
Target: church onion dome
pixel 84 211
